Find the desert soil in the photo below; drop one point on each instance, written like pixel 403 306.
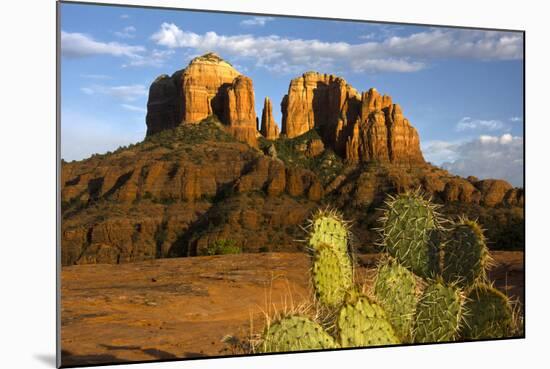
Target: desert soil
pixel 184 307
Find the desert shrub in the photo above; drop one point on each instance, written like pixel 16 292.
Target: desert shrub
pixel 223 247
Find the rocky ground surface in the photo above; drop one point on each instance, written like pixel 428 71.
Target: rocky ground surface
pixel 184 307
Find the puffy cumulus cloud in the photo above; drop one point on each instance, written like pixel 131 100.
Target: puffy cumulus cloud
pixel 77 45
pixel 469 124
pixel 486 157
pixel 391 54
pixel 256 21
pixel 438 152
pixel 125 92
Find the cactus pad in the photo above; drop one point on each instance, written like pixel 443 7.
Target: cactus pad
pixel 332 276
pixel 395 290
pixel 296 333
pixel 438 314
pixel 466 256
pixel 489 314
pixel 328 228
pixel 410 226
pixel 363 323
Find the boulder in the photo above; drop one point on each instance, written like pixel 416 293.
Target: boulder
pixel 492 191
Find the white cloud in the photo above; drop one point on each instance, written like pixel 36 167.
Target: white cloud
pixel 135 108
pixel 386 65
pixel 515 119
pixel 469 124
pixel 96 76
pixel 127 32
pixel 438 152
pixel 498 157
pixel 124 16
pixel 394 53
pixel 77 45
pixel 155 58
pixel 125 93
pixel 256 21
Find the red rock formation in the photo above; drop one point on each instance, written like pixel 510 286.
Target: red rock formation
pixel 208 86
pixel 165 103
pixel 240 112
pixel 359 127
pixel 204 81
pixel 314 99
pixel 268 128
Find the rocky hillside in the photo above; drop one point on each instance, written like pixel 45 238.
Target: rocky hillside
pixel 206 176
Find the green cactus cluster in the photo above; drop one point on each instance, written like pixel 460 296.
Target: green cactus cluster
pixel 431 287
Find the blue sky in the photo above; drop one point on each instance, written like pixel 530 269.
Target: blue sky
pixel 462 89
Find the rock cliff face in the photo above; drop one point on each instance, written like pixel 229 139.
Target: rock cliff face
pixel 240 114
pixel 181 190
pixel 269 128
pixel 359 127
pixel 208 86
pixel 205 81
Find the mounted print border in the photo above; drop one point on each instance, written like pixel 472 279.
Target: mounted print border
pixel 235 184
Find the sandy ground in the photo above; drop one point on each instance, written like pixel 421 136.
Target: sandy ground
pixel 182 308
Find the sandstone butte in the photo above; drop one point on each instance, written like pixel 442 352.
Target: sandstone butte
pixel 207 86
pixel 357 126
pixel 178 191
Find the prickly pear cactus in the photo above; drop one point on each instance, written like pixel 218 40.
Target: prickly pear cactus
pixel 466 256
pixel 410 226
pixel 363 323
pixel 296 333
pixel 438 313
pixel 332 275
pixel 328 228
pixel 395 290
pixel 489 314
